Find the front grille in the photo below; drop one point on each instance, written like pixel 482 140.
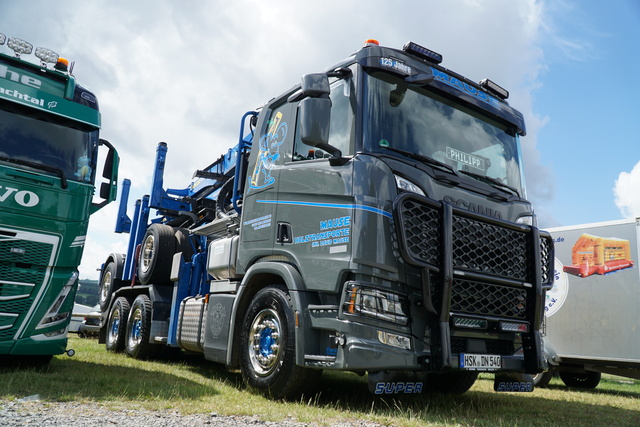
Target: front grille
pixel 25 259
pixel 491 249
pixel 492 262
pixel 489 300
pixel 476 245
pixel 422 231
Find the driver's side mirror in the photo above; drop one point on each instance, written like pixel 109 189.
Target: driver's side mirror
pixel 314 112
pixel 108 190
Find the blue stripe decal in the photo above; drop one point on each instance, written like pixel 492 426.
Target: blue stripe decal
pixel 329 205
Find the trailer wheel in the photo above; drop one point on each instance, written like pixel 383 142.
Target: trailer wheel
pixel 542 379
pixel 109 283
pixel 117 324
pixel 138 333
pixel 585 379
pixel 268 346
pixel 456 382
pixel 156 255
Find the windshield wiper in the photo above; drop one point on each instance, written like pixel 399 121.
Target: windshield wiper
pixel 425 159
pixel 47 168
pixel 493 182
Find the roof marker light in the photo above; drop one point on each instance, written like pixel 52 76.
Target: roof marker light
pixel 2 38
pixel 422 52
pixel 494 89
pixel 46 55
pixel 19 46
pixel 371 42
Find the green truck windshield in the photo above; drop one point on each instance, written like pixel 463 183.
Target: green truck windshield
pixel 56 147
pixel 415 120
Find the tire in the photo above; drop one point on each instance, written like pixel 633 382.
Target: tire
pixel 457 382
pixel 586 379
pixel 117 324
pixel 183 243
pixel 268 347
pixel 109 283
pixel 138 335
pixel 542 379
pixel 156 255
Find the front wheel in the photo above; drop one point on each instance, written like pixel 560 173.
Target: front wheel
pixel 268 346
pixel 117 323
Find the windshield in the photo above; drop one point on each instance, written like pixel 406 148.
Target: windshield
pixel 47 147
pixel 414 120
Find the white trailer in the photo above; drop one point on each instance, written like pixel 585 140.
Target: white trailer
pixel 593 310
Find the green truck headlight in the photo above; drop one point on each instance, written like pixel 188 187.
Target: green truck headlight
pixel 53 316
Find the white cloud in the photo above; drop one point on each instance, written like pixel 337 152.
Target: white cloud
pixel 626 194
pixel 185 72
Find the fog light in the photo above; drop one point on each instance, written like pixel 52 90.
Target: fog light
pixel 394 340
pixel 514 327
pixel 464 322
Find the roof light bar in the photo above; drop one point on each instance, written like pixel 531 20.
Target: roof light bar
pixel 371 42
pixel 422 52
pixel 19 46
pixel 2 38
pixel 498 91
pixel 46 55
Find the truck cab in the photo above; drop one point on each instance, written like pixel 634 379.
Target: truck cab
pixel 376 221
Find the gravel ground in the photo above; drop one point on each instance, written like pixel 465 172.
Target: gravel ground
pixel 30 411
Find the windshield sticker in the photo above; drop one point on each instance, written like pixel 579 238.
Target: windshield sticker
pixel 269 153
pixel 395 65
pixel 467 159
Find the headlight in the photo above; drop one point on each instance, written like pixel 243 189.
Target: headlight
pixel 527 220
pixel 375 303
pixel 406 185
pixel 53 316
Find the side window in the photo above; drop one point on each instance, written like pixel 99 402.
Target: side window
pixel 341 131
pixel 273 146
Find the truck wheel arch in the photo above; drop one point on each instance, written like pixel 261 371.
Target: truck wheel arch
pixel 119 260
pixel 257 277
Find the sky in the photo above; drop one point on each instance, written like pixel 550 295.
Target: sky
pixel 185 72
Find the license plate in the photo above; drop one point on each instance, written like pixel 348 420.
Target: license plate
pixel 480 362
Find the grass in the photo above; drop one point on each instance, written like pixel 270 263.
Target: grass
pixel 192 385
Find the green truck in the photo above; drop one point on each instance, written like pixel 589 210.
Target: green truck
pixel 372 219
pixel 49 144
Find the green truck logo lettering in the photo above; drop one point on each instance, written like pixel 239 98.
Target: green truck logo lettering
pixel 24 198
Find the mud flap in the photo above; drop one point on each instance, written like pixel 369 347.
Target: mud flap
pixel 513 381
pixel 396 382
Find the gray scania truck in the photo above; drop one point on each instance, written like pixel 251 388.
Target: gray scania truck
pixel 373 218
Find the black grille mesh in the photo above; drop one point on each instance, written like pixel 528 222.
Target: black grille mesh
pixel 490 249
pixel 488 300
pixel 546 258
pixel 478 245
pixel 422 231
